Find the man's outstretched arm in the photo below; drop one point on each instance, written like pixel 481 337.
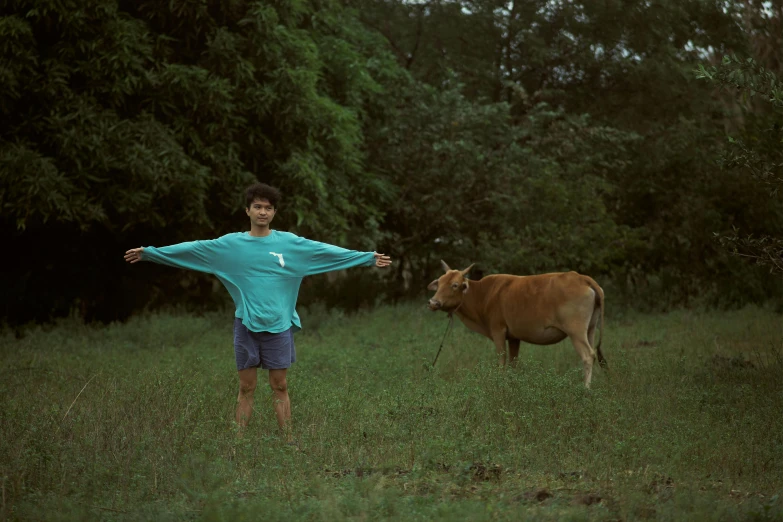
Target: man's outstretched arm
pixel 323 257
pixel 193 255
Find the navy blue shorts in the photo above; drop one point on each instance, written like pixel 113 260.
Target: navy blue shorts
pixel 270 351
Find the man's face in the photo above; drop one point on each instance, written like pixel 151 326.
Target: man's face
pixel 261 212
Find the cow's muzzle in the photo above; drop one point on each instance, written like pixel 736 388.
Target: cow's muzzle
pixel 434 305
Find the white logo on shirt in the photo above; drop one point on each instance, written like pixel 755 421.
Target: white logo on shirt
pixel 279 258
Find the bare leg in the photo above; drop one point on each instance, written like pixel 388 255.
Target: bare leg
pixel 247 386
pixel 513 351
pixel 279 385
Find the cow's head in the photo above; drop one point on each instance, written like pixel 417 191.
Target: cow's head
pixel 450 288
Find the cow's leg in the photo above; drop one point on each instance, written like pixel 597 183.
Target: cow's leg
pixel 577 325
pixel 586 353
pixel 513 351
pixel 499 338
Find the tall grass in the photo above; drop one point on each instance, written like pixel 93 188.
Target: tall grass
pixel 133 422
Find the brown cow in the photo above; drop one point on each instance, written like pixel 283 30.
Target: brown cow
pixel 537 309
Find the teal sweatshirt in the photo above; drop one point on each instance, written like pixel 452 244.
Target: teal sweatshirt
pixel 262 274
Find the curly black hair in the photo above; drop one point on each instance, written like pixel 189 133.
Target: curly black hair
pixel 262 191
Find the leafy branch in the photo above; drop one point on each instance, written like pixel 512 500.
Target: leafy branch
pixel 763 160
pixel 765 251
pixel 747 75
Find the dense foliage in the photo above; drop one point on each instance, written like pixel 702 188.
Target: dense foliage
pixel 132 123
pixel 525 136
pixel 756 152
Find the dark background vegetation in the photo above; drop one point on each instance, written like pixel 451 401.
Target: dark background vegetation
pixel 637 141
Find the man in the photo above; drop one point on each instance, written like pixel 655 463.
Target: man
pixel 262 270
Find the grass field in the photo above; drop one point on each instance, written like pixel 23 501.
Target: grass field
pixel 134 422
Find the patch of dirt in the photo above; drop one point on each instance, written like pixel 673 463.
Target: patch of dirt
pixel 538 495
pixel 440 466
pixel 477 471
pixel 481 472
pixel 660 483
pixel 361 472
pixel 340 473
pixel 424 411
pixel 721 362
pixel 644 512
pixel 587 500
pixel 641 343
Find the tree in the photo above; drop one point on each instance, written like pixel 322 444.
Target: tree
pixel 625 67
pixel 472 186
pixel 140 121
pixel 755 151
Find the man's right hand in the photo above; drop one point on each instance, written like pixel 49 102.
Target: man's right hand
pixel 134 255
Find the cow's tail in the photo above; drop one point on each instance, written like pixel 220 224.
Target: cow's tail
pixel 599 303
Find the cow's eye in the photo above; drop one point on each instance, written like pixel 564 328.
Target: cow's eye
pixel 455 286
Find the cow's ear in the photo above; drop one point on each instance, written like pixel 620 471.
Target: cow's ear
pixel 433 285
pixel 464 287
